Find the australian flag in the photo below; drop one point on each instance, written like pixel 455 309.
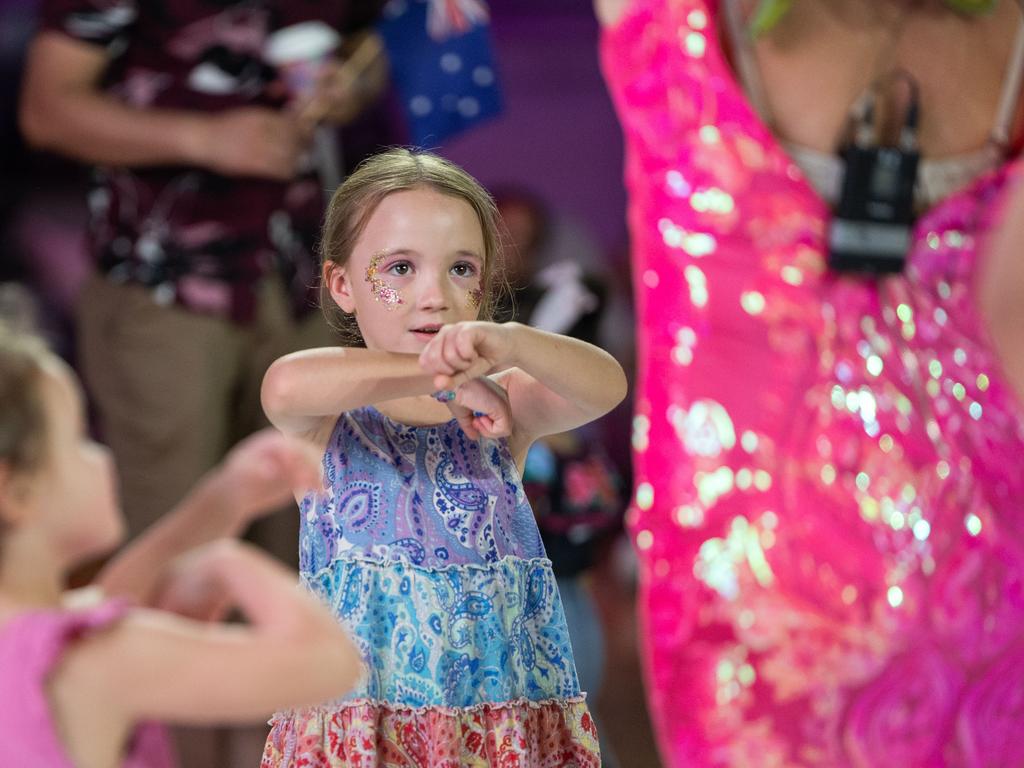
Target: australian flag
pixel 442 66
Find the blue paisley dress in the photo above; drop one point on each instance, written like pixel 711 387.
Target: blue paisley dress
pixel 425 547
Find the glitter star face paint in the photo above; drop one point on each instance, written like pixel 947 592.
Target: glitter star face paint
pixel 382 292
pixel 475 298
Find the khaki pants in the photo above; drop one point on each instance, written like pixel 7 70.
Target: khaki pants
pixel 173 391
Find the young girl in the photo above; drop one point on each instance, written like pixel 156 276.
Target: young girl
pixel 79 674
pixel 425 546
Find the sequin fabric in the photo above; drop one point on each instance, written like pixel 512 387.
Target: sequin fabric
pixel 426 549
pixel 828 502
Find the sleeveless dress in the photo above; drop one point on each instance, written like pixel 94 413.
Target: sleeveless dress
pixel 427 551
pixel 31 646
pixel 829 508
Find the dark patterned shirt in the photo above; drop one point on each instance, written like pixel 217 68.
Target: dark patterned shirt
pixel 576 494
pixel 196 238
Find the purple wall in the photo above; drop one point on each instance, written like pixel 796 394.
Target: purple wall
pixel 558 134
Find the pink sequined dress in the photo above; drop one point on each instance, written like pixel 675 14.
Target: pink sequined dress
pixel 830 497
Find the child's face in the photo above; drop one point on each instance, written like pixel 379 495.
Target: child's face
pixel 76 488
pixel 417 265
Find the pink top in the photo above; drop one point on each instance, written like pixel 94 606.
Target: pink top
pixel 31 645
pixel 830 500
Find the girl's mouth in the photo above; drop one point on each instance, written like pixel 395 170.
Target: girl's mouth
pixel 427 331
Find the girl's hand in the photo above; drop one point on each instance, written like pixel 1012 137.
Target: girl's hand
pixel 462 352
pixel 482 409
pixel 190 587
pixel 258 476
pixel 264 470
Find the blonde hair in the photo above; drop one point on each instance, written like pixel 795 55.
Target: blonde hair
pixel 397 170
pixel 23 426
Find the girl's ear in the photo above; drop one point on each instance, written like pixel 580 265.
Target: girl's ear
pixel 15 491
pixel 336 279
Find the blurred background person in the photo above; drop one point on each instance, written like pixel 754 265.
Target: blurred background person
pixel 202 217
pixel 577 496
pixel 828 437
pixel 41 198
pixel 574 487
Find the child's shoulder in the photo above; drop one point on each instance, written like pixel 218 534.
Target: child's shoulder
pixel 83 606
pixel 37 637
pixel 85 610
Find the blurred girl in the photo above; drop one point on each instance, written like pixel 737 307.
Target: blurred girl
pixel 80 674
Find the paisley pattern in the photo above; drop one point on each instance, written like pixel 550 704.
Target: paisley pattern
pixel 454 637
pixel 828 503
pixel 425 547
pixel 427 495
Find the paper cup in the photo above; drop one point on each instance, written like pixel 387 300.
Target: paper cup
pixel 299 53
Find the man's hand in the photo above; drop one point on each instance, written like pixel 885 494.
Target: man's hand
pixel 252 141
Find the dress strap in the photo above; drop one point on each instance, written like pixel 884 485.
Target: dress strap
pixel 1011 93
pixel 746 66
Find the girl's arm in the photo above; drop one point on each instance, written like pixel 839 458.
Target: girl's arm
pixel 258 476
pixel 155 665
pixel 555 383
pixel 304 392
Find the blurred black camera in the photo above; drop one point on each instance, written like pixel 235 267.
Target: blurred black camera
pixel 871 229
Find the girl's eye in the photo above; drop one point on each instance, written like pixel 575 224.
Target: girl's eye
pixel 464 269
pixel 400 269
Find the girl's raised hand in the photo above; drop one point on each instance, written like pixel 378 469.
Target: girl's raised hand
pixel 264 471
pixel 189 589
pixel 481 407
pixel 464 351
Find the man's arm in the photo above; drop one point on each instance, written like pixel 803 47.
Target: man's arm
pixel 64 110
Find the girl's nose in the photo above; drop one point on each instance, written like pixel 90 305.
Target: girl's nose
pixel 434 293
